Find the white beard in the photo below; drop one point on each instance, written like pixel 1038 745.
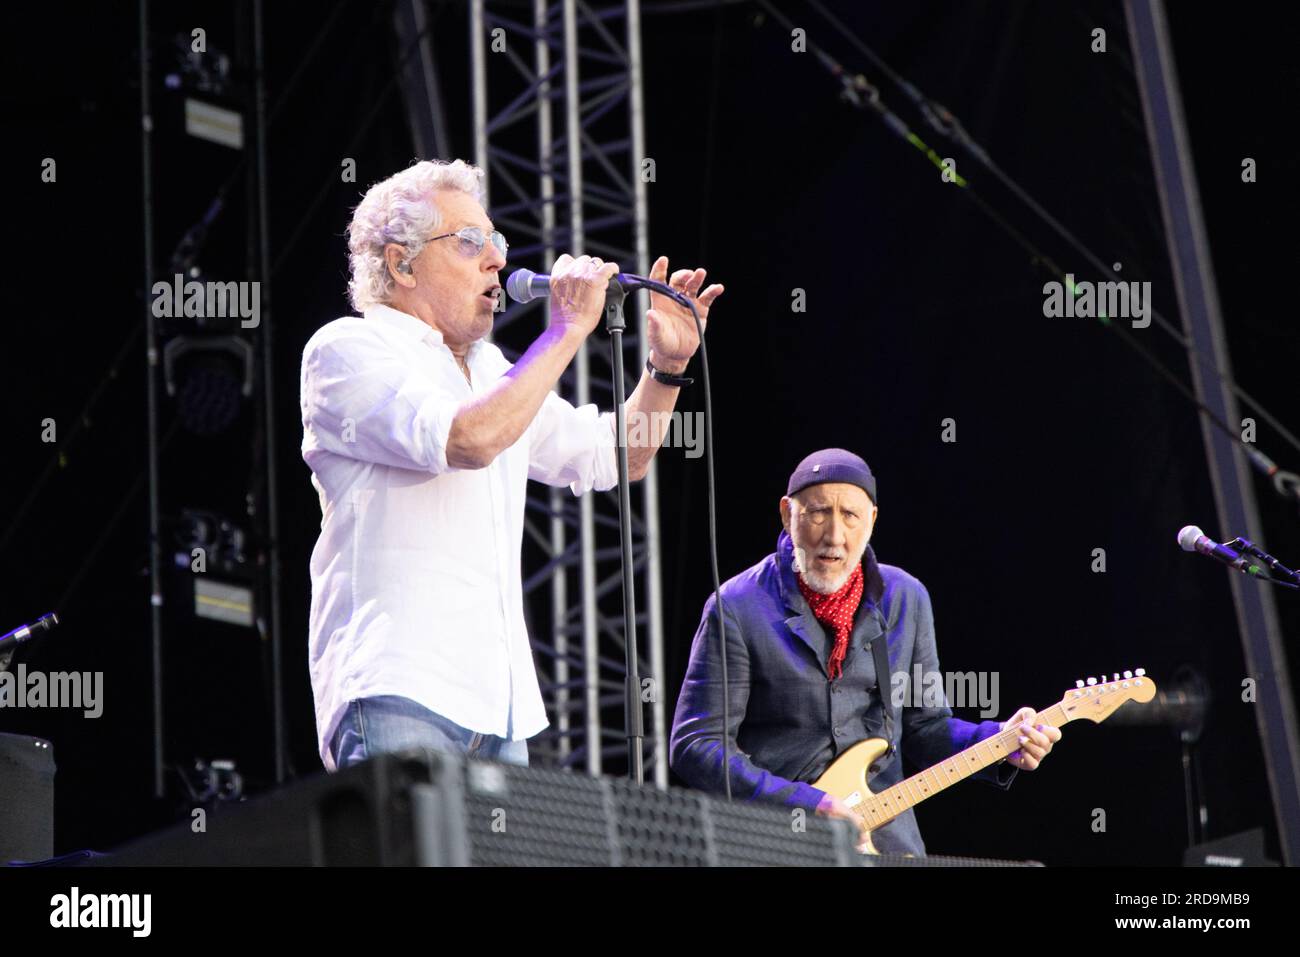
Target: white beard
pixel 825 584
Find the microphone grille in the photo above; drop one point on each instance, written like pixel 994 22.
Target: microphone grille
pixel 519 285
pixel 1187 537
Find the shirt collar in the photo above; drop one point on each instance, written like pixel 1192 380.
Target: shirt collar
pixel 872 581
pixel 417 329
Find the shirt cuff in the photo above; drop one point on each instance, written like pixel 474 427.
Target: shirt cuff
pixel 603 474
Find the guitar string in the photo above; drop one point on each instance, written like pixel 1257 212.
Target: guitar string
pixel 1003 741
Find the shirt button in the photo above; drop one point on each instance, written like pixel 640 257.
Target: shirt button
pixel 839 732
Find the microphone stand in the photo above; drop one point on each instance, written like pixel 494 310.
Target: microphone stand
pixel 615 324
pixel 633 717
pixel 532 286
pixel 1274 566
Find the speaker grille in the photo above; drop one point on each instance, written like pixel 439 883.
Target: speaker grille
pixel 27 798
pixel 535 818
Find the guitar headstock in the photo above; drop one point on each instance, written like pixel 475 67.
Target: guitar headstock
pixel 1097 699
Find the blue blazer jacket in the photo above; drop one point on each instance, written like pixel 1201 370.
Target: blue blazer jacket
pixel 788 720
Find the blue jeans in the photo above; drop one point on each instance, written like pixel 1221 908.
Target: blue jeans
pixel 386 723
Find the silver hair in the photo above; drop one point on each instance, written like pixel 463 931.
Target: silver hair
pixel 400 210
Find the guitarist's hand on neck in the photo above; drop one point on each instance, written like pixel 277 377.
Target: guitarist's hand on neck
pixel 1036 739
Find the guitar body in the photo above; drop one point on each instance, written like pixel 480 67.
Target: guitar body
pixel 846 778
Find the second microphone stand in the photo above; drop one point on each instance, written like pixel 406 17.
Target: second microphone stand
pixel 1280 574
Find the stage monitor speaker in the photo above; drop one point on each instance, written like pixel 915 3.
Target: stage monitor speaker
pixel 1245 849
pixel 428 808
pixel 26 798
pixel 378 813
pixel 521 817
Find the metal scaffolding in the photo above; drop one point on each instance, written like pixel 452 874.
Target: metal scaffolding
pixel 575 186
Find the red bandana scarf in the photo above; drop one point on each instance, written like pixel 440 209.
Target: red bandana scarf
pixel 836 611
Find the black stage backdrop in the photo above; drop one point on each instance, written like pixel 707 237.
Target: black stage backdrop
pixel 918 310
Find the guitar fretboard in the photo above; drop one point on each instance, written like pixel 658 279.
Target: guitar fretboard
pixel 883 807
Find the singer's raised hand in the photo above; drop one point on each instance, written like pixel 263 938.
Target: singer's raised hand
pixel 671 330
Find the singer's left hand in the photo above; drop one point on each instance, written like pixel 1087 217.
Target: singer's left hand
pixel 671 327
pixel 1036 739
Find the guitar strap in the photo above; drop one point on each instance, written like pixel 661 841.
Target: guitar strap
pixel 884 686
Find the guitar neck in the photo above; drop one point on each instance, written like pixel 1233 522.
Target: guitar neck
pixel 883 807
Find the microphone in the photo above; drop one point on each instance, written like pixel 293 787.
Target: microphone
pixel 9 643
pixel 1192 539
pixel 524 285
pixel 25 632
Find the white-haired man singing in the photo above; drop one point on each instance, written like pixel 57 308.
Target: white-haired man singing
pixel 421 437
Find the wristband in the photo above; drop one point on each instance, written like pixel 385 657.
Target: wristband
pixel 666 378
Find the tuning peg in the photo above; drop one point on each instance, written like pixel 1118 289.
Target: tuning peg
pixel 1128 674
pixel 1140 672
pixel 1092 681
pixel 1079 683
pixel 1115 676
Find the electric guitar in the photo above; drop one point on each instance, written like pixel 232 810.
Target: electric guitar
pixel 846 778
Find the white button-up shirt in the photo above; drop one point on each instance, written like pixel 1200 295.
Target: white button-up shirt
pixel 416 578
